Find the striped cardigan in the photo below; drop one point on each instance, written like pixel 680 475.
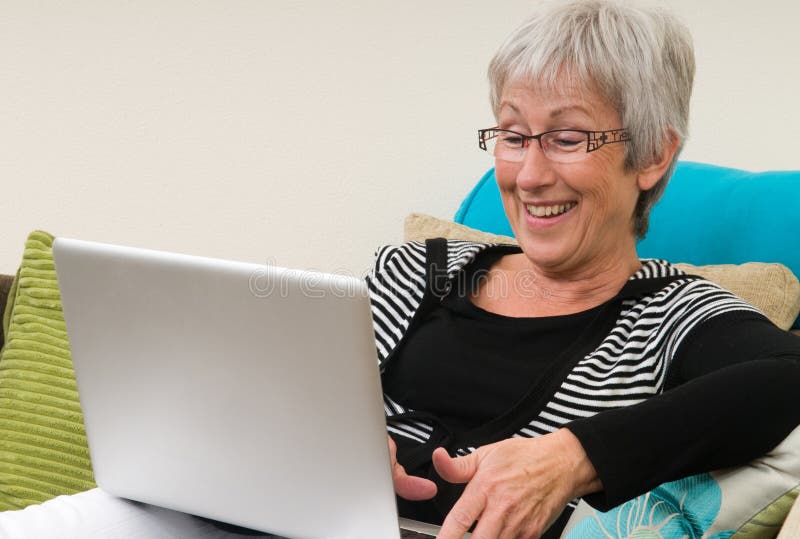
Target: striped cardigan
pixel 656 310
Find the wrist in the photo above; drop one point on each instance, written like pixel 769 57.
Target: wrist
pixel 581 470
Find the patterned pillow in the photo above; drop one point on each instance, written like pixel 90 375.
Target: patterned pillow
pixel 43 451
pixel 748 502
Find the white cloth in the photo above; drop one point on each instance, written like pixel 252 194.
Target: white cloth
pixel 95 514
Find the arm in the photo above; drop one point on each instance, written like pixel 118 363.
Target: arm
pixel 731 397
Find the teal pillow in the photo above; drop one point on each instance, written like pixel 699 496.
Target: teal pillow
pixel 708 215
pixel 745 502
pixel 482 209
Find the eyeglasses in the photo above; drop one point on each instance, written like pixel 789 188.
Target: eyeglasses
pixel 560 145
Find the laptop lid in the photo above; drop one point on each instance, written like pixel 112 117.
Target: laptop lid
pixel 243 393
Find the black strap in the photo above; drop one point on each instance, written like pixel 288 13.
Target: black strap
pixel 437 285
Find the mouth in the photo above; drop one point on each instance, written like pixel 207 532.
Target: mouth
pixel 550 210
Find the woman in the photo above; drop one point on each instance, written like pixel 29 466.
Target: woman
pixel 568 367
pixel 565 367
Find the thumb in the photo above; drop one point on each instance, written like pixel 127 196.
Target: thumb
pixel 455 470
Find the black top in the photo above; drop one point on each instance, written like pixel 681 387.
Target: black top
pixel 730 392
pixel 498 357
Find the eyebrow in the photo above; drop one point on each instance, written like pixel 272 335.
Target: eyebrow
pixel 508 104
pixel 560 111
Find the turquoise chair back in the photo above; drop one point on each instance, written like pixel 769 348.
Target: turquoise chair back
pixel 708 215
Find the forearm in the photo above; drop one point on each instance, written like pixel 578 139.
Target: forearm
pixel 577 465
pixel 724 418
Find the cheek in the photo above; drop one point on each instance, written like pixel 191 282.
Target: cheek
pixel 608 186
pixel 602 194
pixel 506 176
pixel 612 204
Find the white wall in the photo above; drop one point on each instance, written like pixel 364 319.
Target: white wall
pixel 302 133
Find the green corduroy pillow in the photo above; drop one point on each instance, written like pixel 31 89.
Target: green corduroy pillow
pixel 43 451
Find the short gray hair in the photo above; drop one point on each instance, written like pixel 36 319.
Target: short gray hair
pixel 639 57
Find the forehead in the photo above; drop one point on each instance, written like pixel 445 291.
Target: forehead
pixel 561 99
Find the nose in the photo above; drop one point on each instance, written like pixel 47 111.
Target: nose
pixel 536 169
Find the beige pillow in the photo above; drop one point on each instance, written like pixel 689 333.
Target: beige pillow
pixel 420 227
pixel 772 288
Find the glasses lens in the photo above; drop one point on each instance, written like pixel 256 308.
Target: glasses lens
pixel 565 146
pixel 505 145
pixel 562 146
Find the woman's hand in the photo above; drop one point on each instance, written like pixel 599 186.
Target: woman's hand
pixel 407 486
pixel 517 487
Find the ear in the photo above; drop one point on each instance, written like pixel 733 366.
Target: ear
pixel 649 176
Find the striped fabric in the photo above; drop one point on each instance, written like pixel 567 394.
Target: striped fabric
pixel 628 366
pixel 43 450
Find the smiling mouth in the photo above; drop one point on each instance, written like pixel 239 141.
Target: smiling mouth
pixel 549 211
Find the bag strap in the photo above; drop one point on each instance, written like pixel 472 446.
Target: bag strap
pixel 437 284
pixel 436 287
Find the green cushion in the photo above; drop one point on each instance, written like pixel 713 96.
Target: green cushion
pixel 43 451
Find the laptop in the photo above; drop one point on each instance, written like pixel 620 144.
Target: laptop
pixel 237 392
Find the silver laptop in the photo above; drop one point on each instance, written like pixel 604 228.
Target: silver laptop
pixel 243 393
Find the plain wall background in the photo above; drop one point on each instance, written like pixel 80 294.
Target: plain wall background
pixel 302 133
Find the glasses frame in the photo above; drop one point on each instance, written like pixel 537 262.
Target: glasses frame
pixel 594 139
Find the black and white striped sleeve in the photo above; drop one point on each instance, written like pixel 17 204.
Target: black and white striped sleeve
pixel 731 396
pixel 396 284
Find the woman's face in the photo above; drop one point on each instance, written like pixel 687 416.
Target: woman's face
pixel 598 228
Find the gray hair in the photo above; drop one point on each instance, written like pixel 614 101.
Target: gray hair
pixel 640 58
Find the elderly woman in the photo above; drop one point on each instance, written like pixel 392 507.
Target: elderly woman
pixel 517 379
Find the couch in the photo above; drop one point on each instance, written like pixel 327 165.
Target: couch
pixel 731 217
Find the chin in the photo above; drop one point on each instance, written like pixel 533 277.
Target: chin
pixel 545 254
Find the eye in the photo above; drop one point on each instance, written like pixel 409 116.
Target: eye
pixel 566 140
pixel 510 140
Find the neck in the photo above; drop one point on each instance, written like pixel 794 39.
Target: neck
pixel 564 291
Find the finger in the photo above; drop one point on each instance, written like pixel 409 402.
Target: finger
pixel 490 526
pixel 455 470
pixel 463 514
pixel 537 523
pixel 392 450
pixel 407 486
pixel 411 487
pixel 517 525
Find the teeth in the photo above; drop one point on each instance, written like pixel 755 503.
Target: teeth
pixel 547 211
